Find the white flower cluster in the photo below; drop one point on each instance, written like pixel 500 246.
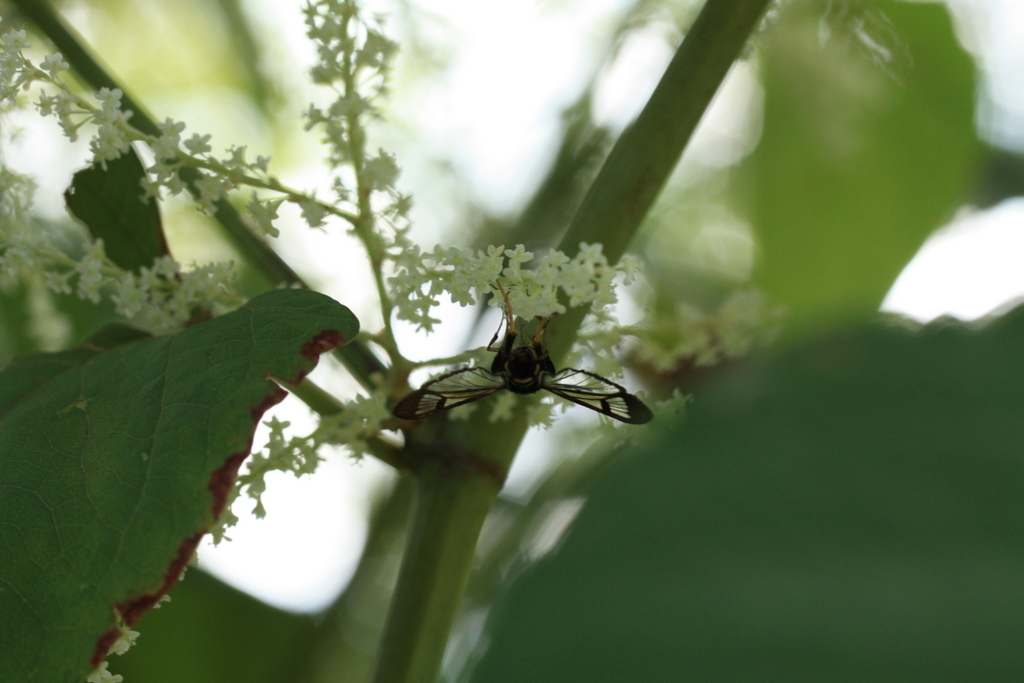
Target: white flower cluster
pixel 164 297
pixel 120 646
pixel 17 73
pixel 112 132
pixel 281 454
pixel 354 60
pixel 113 135
pixel 743 321
pixel 359 421
pixel 14 76
pixel 219 176
pixel 101 675
pixel 585 279
pixel 159 298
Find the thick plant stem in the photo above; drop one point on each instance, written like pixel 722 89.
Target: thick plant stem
pixel 451 503
pixel 648 151
pixel 451 506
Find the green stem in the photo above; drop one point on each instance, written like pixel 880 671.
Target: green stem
pixel 356 357
pixel 448 512
pixel 459 469
pixel 319 401
pixel 453 501
pixel 646 153
pixel 364 223
pixel 325 404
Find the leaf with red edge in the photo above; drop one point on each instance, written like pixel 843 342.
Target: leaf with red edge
pixel 114 463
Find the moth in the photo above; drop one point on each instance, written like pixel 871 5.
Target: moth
pixel 522 369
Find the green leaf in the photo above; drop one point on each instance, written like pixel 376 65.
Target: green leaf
pixel 868 146
pixel 115 334
pixel 852 511
pixel 111 204
pixel 213 632
pixel 113 464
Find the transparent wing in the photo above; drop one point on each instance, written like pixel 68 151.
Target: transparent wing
pixel 448 391
pixel 597 393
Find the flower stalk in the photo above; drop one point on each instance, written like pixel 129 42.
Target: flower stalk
pixel 450 507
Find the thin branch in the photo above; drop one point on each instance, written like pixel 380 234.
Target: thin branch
pixel 325 404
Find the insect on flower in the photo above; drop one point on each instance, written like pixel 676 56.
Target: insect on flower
pixel 522 369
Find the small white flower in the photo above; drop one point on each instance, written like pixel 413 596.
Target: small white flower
pixel 129 297
pixel 125 642
pixel 54 64
pixel 59 282
pixel 382 171
pixel 313 212
pixel 101 675
pixel 519 255
pixel 263 214
pixel 166 146
pixel 376 51
pixel 198 144
pixel 631 268
pixel 15 41
pixel 164 175
pixel 110 105
pixel 313 116
pixel 352 104
pixel 341 190
pixel 236 158
pixel 211 189
pixel 502 407
pixel 109 143
pixel 90 272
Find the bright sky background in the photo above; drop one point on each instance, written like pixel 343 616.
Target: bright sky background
pixel 496 112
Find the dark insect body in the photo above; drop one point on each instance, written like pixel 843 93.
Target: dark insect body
pixel 523 369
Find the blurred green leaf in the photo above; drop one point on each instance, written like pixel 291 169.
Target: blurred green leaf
pixel 852 511
pixel 868 146
pixel 15 323
pixel 110 201
pixel 213 632
pixel 33 318
pixel 249 57
pixel 115 334
pixel 1003 178
pixel 114 463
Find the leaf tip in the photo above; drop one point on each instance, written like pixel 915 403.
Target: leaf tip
pixel 321 343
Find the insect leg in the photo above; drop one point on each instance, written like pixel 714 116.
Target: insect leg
pixel 509 318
